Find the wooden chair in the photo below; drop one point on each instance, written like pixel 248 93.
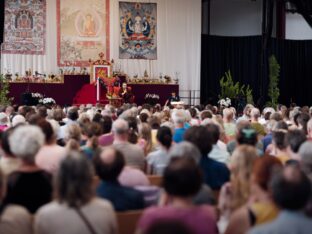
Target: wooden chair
pixel 127 221
pixel 155 180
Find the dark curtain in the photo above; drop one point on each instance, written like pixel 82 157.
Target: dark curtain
pixel 242 55
pixel 1 20
pixel 295 59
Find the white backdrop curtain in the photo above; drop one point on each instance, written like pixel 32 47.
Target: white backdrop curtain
pixel 179 48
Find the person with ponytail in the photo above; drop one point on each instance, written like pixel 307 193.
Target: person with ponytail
pixel 158 160
pixel 92 131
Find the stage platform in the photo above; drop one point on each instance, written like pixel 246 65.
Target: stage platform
pixel 76 89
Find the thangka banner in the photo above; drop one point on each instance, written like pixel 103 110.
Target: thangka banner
pixel 24 27
pixel 83 31
pixel 138 32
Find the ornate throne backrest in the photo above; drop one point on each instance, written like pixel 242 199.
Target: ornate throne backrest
pixel 100 68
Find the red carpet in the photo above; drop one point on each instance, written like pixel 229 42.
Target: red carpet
pixel 87 95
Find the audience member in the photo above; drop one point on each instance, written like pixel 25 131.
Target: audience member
pixel 190 151
pixel 235 193
pixel 294 139
pixel 241 138
pixel 255 115
pixel 145 138
pixel 182 180
pixel 305 153
pixel 8 162
pixel 14 219
pixel 291 191
pixel 92 131
pixel 75 210
pixel 280 145
pixel 50 154
pixel 228 123
pixel 303 120
pixel 108 166
pixel 309 130
pixel 246 113
pixel 215 173
pixel 134 155
pixel 33 183
pixel 267 140
pixel 259 209
pixel 217 153
pixel 158 160
pixel 178 119
pixel 72 116
pixel 107 137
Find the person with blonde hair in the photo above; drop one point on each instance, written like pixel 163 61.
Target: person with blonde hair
pixel 145 138
pixel 228 123
pixel 73 137
pixel 260 208
pixel 235 193
pixel 255 115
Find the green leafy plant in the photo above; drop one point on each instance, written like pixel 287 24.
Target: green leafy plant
pixel 4 91
pixel 274 72
pixel 249 96
pixel 230 89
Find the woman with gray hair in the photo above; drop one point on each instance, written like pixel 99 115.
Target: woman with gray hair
pixel 75 210
pixel 28 186
pixel 305 152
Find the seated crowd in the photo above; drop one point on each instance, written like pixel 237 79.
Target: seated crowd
pixel 73 170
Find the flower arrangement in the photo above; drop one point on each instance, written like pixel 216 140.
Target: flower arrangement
pixel 47 101
pixel 37 95
pixel 225 102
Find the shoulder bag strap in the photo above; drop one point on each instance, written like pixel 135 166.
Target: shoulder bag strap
pixel 85 220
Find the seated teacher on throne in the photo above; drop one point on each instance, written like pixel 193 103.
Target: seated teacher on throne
pixel 126 93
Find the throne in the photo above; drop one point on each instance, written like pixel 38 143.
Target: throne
pixel 107 86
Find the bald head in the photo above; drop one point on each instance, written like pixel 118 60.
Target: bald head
pixel 109 164
pixel 108 155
